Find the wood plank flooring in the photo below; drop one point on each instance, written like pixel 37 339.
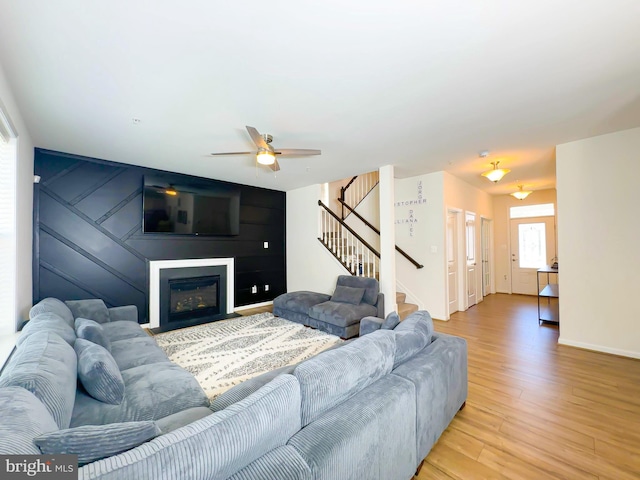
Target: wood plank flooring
pixel 536 409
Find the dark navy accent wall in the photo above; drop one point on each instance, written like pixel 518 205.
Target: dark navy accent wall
pixel 88 240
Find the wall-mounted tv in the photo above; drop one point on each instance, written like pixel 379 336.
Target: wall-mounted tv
pixel 184 209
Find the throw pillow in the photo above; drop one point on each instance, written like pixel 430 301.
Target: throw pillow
pixel 344 294
pixel 391 322
pixel 92 331
pixel 93 442
pixel 99 373
pixel 94 309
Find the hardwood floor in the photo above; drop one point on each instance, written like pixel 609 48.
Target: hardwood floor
pixel 536 409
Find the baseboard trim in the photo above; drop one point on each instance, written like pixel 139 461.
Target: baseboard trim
pixel 253 305
pixel 599 348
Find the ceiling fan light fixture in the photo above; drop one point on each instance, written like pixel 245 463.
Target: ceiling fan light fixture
pixel 496 174
pixel 265 157
pixel 521 194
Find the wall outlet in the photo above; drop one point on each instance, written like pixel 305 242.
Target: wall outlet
pixel 254 289
pixel 266 288
pixel 265 244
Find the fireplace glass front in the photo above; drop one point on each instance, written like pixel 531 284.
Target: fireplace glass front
pixel 192 298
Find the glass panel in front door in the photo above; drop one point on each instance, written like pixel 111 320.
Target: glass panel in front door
pixel 532 245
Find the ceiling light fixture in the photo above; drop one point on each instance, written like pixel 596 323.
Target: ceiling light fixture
pixel 171 192
pixel 521 194
pixel 266 157
pixel 496 174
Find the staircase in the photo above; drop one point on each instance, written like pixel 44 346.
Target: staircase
pixel 404 309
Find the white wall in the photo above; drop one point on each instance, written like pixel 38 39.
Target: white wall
pixel 598 238
pixel 309 265
pixel 420 228
pixel 24 203
pixel 502 235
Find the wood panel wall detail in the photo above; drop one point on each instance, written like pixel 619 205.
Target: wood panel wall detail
pixel 88 240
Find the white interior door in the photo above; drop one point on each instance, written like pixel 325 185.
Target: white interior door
pixel 532 247
pixel 472 278
pixel 485 226
pixel 452 260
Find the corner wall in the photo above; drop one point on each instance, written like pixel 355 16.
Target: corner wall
pixel 598 232
pixel 24 203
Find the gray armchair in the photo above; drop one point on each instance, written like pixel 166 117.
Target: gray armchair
pixel 353 299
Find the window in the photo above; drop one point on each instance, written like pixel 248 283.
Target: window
pixel 528 211
pixel 7 225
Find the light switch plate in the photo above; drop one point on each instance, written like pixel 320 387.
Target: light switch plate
pixel 265 244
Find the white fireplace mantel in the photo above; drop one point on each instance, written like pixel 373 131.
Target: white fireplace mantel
pixel 155 266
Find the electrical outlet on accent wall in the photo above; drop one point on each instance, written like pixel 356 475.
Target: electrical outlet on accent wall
pixel 254 289
pixel 266 288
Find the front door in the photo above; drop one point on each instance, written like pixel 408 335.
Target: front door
pixel 485 246
pixel 532 247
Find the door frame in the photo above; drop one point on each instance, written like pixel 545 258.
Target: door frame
pixel 486 222
pixel 461 260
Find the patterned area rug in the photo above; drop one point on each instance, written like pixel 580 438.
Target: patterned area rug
pixel 225 353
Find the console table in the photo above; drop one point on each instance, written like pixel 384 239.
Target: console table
pixel 551 311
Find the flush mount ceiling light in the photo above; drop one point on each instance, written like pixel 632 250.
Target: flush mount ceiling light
pixel 266 157
pixel 521 194
pixel 496 174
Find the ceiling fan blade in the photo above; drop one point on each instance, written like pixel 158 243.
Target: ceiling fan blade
pixel 275 167
pixel 234 153
pixel 257 138
pixel 296 151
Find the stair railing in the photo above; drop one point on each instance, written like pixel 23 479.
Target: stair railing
pixel 368 224
pixel 357 189
pixel 349 248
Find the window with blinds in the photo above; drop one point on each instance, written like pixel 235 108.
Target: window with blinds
pixel 7 225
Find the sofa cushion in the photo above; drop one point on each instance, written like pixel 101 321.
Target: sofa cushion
pixel 53 305
pixel 93 442
pixel 217 446
pixel 341 314
pixel 92 331
pixel 125 312
pixel 98 372
pixel 284 462
pixel 370 285
pixel 45 365
pixel 133 352
pixel 332 377
pixel 299 302
pixel 48 322
pixel 151 392
pixel 412 335
pixel 121 329
pixel 391 321
pixel 23 418
pixel 352 295
pixel 93 309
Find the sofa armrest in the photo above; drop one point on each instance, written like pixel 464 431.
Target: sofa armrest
pixel 127 312
pixel 370 324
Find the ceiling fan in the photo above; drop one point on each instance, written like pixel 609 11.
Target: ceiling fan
pixel 266 154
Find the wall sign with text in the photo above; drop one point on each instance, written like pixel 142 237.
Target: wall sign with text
pixel 408 215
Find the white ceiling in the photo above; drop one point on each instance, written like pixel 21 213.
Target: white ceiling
pixel 421 85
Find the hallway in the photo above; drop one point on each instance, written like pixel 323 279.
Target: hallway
pixel 537 409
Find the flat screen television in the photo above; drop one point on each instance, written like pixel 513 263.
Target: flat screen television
pixel 184 209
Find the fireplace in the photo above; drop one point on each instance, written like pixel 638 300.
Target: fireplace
pixel 190 292
pixel 191 298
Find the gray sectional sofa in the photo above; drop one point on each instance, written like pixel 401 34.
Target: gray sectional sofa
pixel 372 408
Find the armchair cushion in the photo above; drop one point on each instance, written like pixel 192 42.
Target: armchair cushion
pixel 370 285
pixel 341 314
pixel 94 309
pixel 343 294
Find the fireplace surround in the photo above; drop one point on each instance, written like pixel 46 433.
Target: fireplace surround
pixel 189 292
